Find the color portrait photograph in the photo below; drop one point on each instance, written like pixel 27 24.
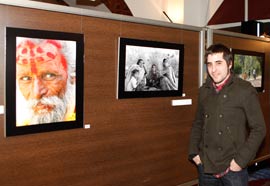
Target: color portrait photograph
pixel 249 65
pixel 45 81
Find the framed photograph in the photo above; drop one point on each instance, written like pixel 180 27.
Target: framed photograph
pixel 44 81
pixel 149 69
pixel 249 65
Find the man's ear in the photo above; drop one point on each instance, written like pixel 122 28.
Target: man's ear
pixel 230 65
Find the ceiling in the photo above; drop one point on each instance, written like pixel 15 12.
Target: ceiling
pixel 114 6
pixel 231 11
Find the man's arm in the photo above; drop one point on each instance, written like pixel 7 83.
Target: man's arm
pixel 257 129
pixel 195 135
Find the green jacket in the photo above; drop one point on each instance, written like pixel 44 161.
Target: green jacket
pixel 228 125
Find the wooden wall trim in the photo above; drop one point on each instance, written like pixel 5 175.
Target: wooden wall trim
pixel 240 35
pixel 97 14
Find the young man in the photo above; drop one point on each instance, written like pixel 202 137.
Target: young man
pixel 229 125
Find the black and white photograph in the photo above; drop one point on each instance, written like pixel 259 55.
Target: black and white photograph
pixel 150 69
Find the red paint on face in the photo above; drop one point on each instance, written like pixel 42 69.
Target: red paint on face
pixel 50 55
pixel 24 51
pixel 33 67
pixel 41 69
pixel 39 50
pixel 58 45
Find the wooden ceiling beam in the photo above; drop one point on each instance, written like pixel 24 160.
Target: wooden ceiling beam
pixel 57 2
pixel 88 2
pixel 117 6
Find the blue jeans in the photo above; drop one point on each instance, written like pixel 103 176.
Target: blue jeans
pixel 230 179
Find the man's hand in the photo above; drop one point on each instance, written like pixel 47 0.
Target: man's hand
pixel 234 166
pixel 197 160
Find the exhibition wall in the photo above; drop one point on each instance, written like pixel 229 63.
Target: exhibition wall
pixel 131 142
pixel 138 141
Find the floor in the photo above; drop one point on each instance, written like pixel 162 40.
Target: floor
pixel 259 174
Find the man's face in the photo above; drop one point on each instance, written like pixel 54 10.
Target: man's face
pixel 43 84
pixel 41 79
pixel 217 68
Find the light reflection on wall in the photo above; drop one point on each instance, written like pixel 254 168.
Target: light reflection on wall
pixel 175 10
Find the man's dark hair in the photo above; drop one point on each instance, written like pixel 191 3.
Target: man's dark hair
pixel 219 48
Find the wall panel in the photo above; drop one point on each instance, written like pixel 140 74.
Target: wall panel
pixel 131 141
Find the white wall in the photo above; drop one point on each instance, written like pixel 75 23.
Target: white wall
pixel 195 12
pixel 150 9
pixel 175 10
pixel 188 12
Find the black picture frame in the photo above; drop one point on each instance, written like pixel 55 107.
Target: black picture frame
pixel 22 69
pixel 249 65
pixel 158 80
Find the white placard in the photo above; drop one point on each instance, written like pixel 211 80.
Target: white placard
pixel 181 102
pixel 87 126
pixel 2 109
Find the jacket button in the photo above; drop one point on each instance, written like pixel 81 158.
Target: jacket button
pixel 225 95
pixel 221 115
pixel 220 132
pixel 206 116
pixel 220 148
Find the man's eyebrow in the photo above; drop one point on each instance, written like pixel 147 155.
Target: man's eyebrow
pixel 214 61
